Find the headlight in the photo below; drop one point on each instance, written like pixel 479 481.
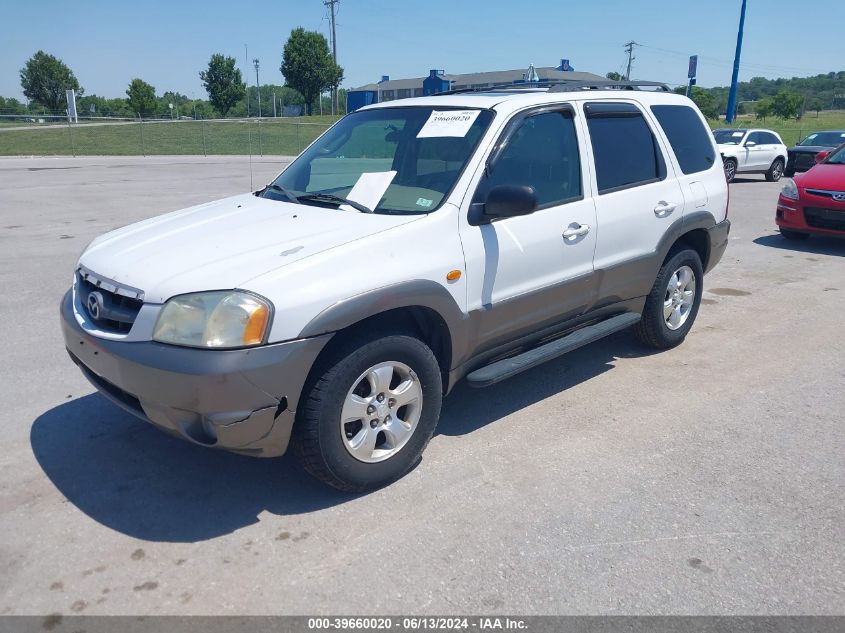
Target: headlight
pixel 790 190
pixel 221 319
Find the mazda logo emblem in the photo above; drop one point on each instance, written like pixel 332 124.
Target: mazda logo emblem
pixel 95 305
pixel 839 197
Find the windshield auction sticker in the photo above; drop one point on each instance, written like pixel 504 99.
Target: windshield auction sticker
pixel 448 123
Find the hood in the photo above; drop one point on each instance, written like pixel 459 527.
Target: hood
pixel 823 176
pixel 222 244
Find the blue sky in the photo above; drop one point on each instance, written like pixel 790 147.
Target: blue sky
pixel 168 43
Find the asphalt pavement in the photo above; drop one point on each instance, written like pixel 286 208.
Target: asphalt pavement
pixel 708 479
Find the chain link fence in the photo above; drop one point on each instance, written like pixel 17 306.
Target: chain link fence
pixel 147 137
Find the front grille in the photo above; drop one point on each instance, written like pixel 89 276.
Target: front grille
pixel 832 219
pixel 804 161
pixel 117 312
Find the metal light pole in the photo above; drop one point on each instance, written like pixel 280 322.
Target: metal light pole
pixel 730 115
pixel 257 86
pixel 246 59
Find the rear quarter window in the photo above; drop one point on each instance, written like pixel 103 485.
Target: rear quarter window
pixel 689 138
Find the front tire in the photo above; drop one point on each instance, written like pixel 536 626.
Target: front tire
pixel 730 169
pixel 672 305
pixel 794 236
pixel 370 412
pixel 775 171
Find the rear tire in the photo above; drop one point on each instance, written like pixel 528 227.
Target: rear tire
pixel 730 169
pixel 347 432
pixel 795 236
pixel 775 171
pixel 672 305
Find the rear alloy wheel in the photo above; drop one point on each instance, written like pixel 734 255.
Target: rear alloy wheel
pixel 794 235
pixel 775 171
pixel 672 305
pixel 730 169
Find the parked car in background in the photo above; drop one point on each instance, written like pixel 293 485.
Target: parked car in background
pixel 751 152
pixel 814 202
pixel 803 156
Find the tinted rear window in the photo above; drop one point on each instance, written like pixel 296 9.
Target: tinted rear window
pixel 624 149
pixel 689 139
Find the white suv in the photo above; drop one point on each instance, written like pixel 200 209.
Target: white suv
pixel 468 235
pixel 751 152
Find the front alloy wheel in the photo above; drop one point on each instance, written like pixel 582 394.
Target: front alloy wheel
pixel 381 411
pixel 369 410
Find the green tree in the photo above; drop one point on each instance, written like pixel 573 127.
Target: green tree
pixel 614 76
pixel 787 105
pixel 11 106
pixel 763 108
pixel 45 79
pixel 706 102
pixel 142 97
pixel 223 82
pixel 308 66
pixel 815 105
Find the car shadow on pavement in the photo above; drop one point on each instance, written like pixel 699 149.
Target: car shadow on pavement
pixel 742 180
pixel 468 409
pixel 130 477
pixel 134 479
pixel 815 245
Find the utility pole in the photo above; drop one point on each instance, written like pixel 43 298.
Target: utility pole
pixel 629 48
pixel 731 113
pixel 331 5
pixel 246 61
pixel 257 86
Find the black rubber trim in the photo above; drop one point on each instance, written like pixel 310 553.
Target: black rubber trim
pixel 507 367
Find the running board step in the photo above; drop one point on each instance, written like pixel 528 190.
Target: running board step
pixel 507 367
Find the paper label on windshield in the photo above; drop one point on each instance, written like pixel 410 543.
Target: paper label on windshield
pixel 738 134
pixel 369 189
pixel 448 123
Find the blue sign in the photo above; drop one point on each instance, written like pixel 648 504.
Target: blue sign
pixel 693 66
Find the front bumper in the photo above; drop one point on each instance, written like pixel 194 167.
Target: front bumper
pixel 240 400
pixel 826 217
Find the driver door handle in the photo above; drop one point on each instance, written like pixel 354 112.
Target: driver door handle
pixel 664 208
pixel 576 231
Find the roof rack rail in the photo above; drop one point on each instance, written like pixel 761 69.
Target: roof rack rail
pixel 565 85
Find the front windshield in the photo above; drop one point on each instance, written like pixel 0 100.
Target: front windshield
pixel 837 157
pixel 398 160
pixel 728 136
pixel 823 139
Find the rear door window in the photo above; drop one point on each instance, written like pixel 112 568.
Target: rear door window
pixel 625 151
pixel 689 138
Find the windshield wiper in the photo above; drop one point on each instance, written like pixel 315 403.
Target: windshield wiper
pixel 287 194
pixel 330 197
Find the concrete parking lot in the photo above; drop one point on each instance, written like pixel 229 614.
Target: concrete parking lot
pixel 709 479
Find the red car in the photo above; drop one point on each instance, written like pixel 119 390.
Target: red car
pixel 814 202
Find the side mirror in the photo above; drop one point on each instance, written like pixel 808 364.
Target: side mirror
pixel 822 155
pixel 750 144
pixel 504 201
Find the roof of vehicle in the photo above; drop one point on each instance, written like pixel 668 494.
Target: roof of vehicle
pixel 522 95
